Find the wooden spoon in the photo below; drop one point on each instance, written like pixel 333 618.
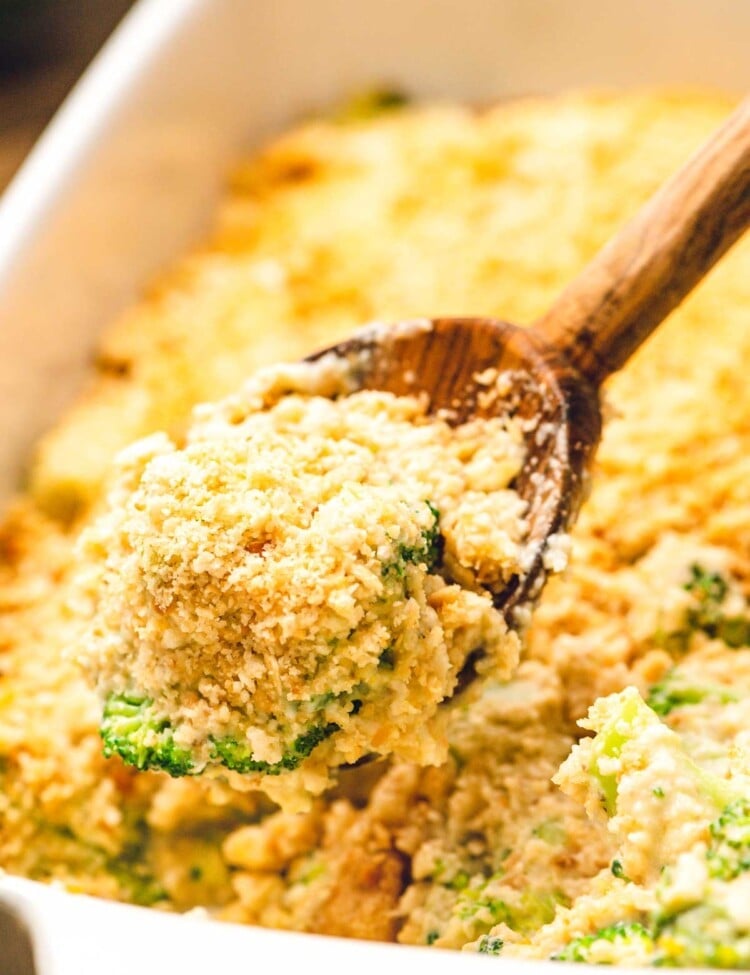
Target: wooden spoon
pixel 556 367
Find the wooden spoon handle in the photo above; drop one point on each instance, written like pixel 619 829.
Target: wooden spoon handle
pixel 644 272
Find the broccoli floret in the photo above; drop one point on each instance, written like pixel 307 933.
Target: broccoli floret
pixel 728 853
pixel 703 923
pixel 664 697
pixel 702 936
pixel 709 932
pixel 131 730
pixel 629 719
pixel 675 691
pixel 237 757
pixel 618 870
pixel 692 927
pixel 622 719
pixel 710 590
pixel 140 887
pixel 490 944
pixel 707 615
pixel 427 550
pixel 459 881
pixel 318 702
pixel 709 587
pixel 527 912
pixel 606 945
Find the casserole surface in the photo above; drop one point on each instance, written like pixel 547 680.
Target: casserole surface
pixel 61 488
pixel 341 221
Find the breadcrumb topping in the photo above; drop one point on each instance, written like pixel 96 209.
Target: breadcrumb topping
pixel 277 595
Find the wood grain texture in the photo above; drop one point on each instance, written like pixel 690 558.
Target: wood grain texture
pixel 644 272
pixel 446 359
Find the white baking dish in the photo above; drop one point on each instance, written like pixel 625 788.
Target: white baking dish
pixel 126 177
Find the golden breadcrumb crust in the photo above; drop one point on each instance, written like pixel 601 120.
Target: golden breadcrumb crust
pixel 279 576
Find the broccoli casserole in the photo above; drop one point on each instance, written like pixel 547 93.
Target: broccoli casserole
pixel 623 840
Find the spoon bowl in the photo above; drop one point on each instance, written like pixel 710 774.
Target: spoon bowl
pixel 481 368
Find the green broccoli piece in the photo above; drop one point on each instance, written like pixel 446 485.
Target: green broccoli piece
pixel 429 548
pixel 607 943
pixel 140 887
pixel 709 587
pixel 664 696
pixel 237 757
pixel 459 881
pixel 694 928
pixel 618 870
pixel 705 930
pixel 710 590
pixel 630 718
pixel 706 933
pixel 490 944
pixel 427 551
pixel 318 702
pixel 728 853
pixel 707 615
pixel 675 691
pixel 131 730
pixel 703 936
pixel 621 720
pixel 527 912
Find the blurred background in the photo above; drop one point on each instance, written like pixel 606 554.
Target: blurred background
pixel 44 47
